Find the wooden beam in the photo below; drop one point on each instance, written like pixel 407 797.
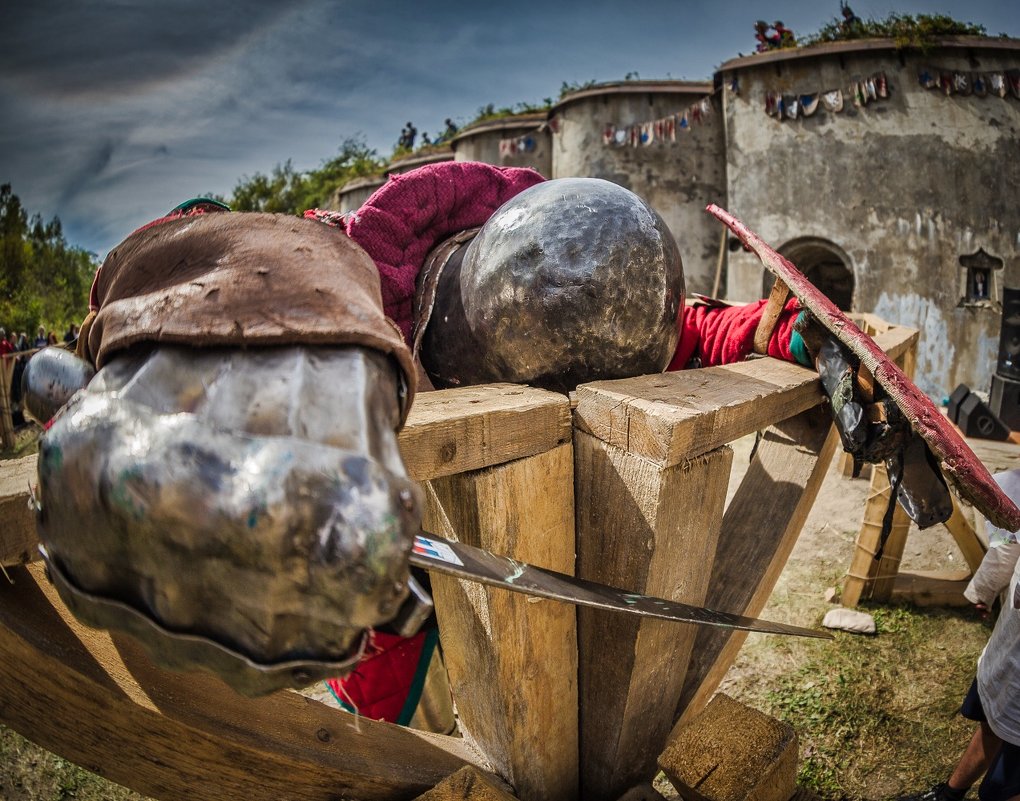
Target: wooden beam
pixel 512 658
pixel 653 530
pixel 18 537
pixel 98 701
pixel 455 430
pixel 671 417
pixel 760 528
pixel 932 588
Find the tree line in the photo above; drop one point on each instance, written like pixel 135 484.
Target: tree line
pixel 44 280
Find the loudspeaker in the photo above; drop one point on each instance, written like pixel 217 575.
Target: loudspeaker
pixel 978 420
pixel 958 397
pixel 1005 400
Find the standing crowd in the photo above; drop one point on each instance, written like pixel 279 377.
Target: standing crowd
pixel 19 348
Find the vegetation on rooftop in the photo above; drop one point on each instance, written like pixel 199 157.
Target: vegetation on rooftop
pixel 921 31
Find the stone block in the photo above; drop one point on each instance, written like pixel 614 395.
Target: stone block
pixel 731 752
pixel 468 784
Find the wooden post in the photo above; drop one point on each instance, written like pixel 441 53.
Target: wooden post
pixel 652 530
pixel 512 658
pixel 7 439
pixel 760 528
pixel 651 482
pixel 18 537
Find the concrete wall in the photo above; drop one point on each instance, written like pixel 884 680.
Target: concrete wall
pixel 481 142
pixel 419 159
pixel 903 187
pixel 677 178
pixel 353 194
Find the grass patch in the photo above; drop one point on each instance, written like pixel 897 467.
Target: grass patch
pixel 878 716
pixel 29 773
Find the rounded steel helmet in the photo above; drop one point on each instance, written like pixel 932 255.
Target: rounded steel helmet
pixel 572 280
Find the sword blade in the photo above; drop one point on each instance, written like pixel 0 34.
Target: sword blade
pixel 474 564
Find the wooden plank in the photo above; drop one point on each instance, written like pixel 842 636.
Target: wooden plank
pixel 865 570
pixel 98 701
pixel 455 430
pixel 512 658
pixel 932 588
pixel 653 530
pixel 759 530
pixel 18 537
pixel 670 417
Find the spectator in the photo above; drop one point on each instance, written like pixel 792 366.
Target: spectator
pixel 450 131
pixel 23 343
pixel 41 340
pixel 52 338
pixel 6 343
pixel 993 700
pixel 71 335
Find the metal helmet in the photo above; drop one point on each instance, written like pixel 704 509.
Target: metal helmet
pixel 572 280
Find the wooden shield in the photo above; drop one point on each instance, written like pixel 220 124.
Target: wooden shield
pixel 959 464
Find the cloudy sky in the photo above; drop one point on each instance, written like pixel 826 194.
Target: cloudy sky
pixel 113 111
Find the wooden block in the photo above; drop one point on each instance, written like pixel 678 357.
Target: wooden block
pixel 455 430
pixel 731 752
pixel 760 528
pixel 469 784
pixel 98 701
pixel 18 537
pixel 512 658
pixel 932 587
pixel 675 416
pixel 652 530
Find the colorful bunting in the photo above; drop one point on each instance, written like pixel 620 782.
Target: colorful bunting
pixel 979 84
pixel 860 93
pixel 663 129
pixel 517 144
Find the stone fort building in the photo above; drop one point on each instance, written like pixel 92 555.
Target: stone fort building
pixel 889 176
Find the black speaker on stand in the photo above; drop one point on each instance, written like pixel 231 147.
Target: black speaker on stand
pixel 1004 398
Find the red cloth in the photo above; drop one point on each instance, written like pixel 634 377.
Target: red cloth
pixel 726 335
pixel 410 214
pixel 5 347
pixel 378 687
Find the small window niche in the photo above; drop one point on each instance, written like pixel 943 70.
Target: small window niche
pixel 979 279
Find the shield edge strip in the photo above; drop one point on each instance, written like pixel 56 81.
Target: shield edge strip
pixel 959 463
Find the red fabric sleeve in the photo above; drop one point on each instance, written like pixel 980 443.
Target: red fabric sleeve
pixel 725 334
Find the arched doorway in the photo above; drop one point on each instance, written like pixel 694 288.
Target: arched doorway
pixel 824 264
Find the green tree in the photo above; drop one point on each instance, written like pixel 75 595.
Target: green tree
pixel 43 279
pixel 288 191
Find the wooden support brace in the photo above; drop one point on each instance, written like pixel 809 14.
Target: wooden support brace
pixel 652 530
pixel 770 316
pixel 869 578
pixel 759 530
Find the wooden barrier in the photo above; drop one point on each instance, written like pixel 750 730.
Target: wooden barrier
pixel 559 704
